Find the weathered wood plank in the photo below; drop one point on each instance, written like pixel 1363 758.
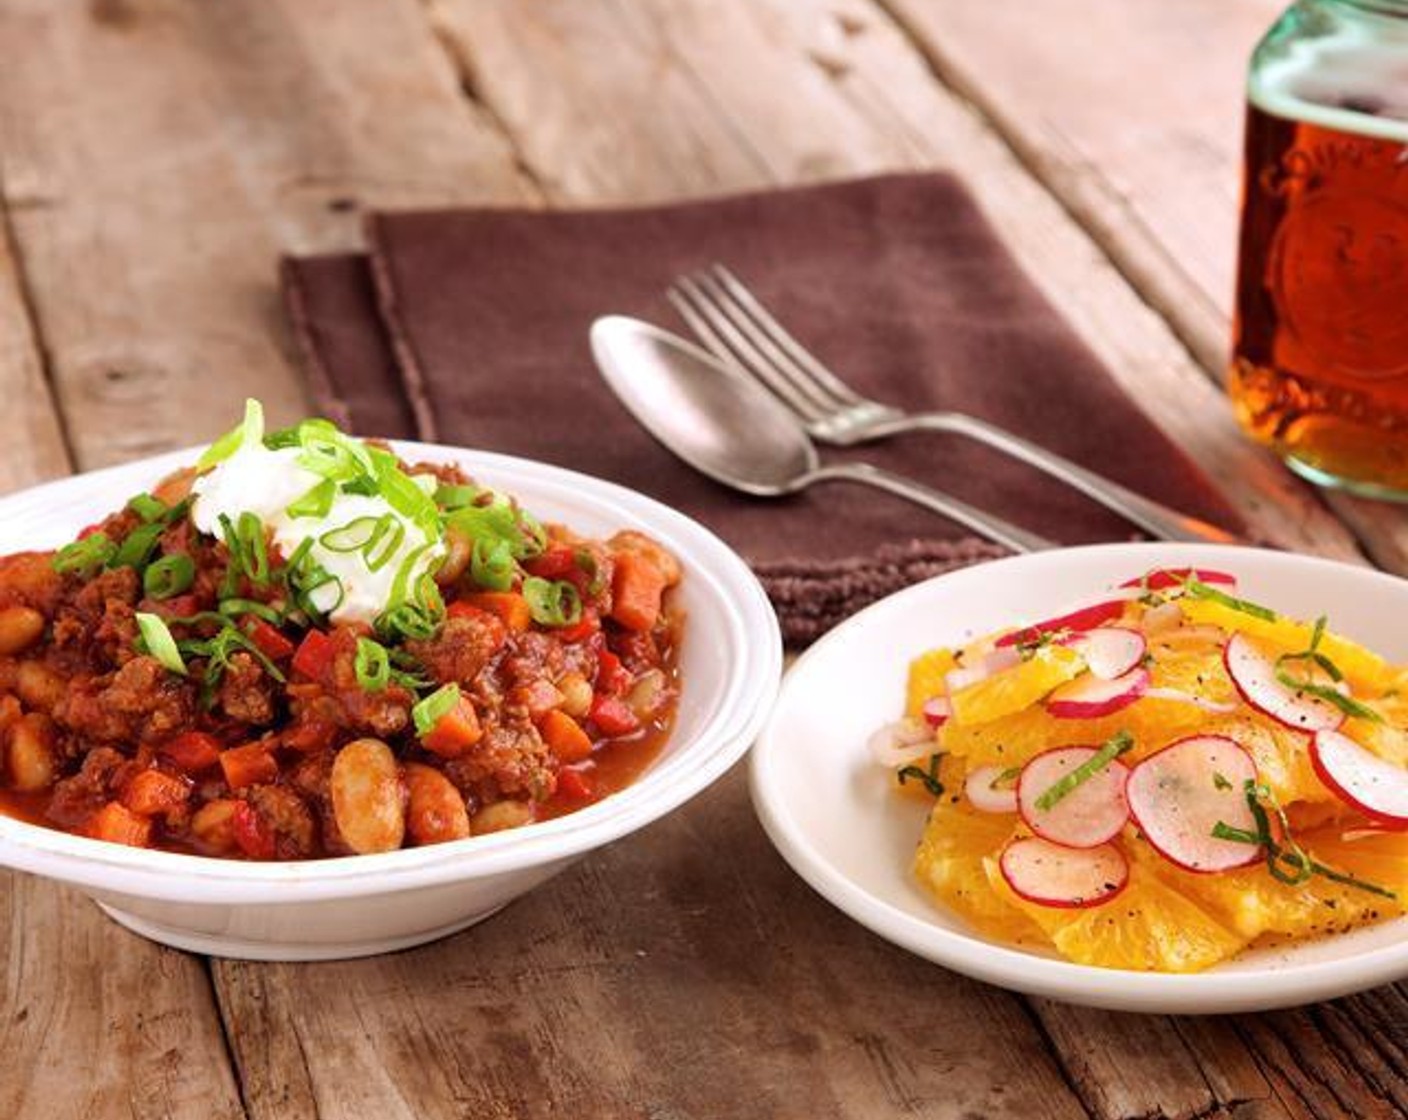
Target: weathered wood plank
pixel 142 1017
pixel 35 448
pixel 687 972
pixel 98 1023
pixel 157 156
pixel 1149 165
pixel 809 90
pixel 1144 1065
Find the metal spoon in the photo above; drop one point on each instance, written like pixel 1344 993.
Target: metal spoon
pixel 730 428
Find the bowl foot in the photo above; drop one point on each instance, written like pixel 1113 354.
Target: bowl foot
pixel 219 945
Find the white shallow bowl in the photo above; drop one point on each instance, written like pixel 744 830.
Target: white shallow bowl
pixel 833 814
pixel 322 909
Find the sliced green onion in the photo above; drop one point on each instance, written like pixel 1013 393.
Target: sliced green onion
pixel 1200 590
pixel 169 576
pixel 1346 704
pixel 331 453
pixel 491 565
pixel 385 542
pixel 449 496
pixel 1006 778
pixel 372 665
pixel 244 539
pixel 1115 746
pixel 159 642
pixel 552 602
pixel 137 547
pixel 350 537
pixel 1219 781
pixel 236 608
pixel 929 777
pixel 1302 863
pixel 86 556
pixel 428 712
pixel 148 507
pixel 250 431
pixel 316 502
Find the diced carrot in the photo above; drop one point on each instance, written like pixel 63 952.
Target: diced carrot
pixel 573 784
pixel 192 751
pixel 454 732
pixel 117 824
pixel 251 764
pixel 314 656
pixel 511 608
pixel 613 715
pixel 565 737
pixel 254 837
pixel 153 793
pixel 270 640
pixel 637 585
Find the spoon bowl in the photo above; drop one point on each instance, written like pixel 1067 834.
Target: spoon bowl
pixel 727 426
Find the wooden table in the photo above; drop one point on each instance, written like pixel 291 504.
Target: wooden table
pixel 157 154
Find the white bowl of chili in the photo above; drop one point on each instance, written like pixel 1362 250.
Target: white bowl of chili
pixel 729 667
pixel 847 832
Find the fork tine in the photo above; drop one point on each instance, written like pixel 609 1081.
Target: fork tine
pixel 802 359
pixel 795 385
pixel 723 338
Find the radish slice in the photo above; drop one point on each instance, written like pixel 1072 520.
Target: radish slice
pixel 1051 875
pixel 898 743
pixel 1161 579
pixel 936 712
pixel 1360 778
pixel 1088 697
pixel 1254 673
pixel 1179 794
pixel 1109 651
pixel 1086 618
pixel 1178 695
pixel 996 661
pixel 1090 815
pixel 1160 619
pixel 987 797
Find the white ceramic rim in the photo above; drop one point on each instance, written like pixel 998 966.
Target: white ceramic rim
pixel 1211 992
pixel 753 637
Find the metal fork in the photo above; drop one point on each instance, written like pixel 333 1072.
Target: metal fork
pixel 731 322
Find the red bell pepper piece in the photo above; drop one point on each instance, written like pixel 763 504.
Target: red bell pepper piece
pixel 254 837
pixel 314 656
pixel 270 640
pixel 613 715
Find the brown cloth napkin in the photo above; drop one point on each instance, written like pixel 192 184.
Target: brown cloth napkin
pixel 470 327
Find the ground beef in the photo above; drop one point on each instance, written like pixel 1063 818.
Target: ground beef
pixel 509 761
pixel 141 702
pixel 295 831
pixel 78 797
pixel 464 646
pixel 246 692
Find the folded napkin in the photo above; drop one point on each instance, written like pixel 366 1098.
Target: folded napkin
pixel 470 327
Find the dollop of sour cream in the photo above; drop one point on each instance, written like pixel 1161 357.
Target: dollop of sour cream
pixel 264 482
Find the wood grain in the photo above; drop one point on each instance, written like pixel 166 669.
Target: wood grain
pixel 35 450
pixel 808 90
pixel 1150 166
pixel 96 1022
pixel 149 211
pixel 686 972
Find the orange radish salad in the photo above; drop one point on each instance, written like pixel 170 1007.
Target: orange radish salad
pixel 1159 778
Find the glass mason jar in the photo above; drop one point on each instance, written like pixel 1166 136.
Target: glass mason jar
pixel 1319 367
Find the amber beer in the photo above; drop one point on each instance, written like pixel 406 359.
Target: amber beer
pixel 1320 340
